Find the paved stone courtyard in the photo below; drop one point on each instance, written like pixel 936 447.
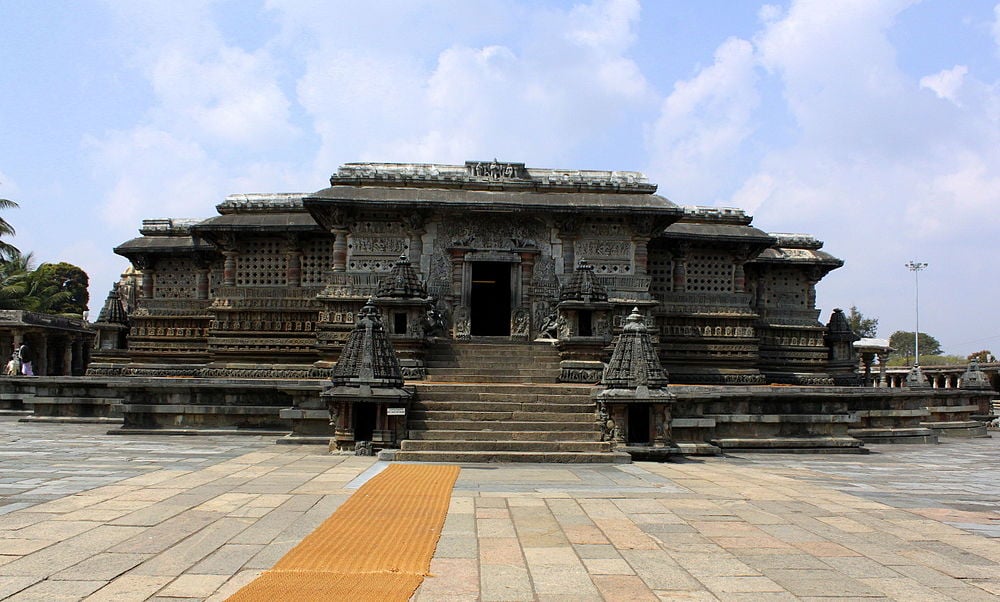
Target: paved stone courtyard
pixel 85 515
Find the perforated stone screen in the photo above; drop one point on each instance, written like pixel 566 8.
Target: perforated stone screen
pixel 709 273
pixel 261 263
pixel 176 278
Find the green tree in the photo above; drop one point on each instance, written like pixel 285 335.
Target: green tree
pixel 862 326
pixel 13 278
pixel 902 342
pixel 984 356
pixel 7 250
pixel 52 288
pixel 60 278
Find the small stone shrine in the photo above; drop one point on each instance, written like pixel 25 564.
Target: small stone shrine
pixel 634 405
pixel 366 401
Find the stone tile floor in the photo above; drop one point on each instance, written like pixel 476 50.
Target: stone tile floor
pixel 84 515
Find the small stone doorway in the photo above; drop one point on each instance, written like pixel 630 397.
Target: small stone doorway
pixel 364 421
pixel 490 299
pixel 638 424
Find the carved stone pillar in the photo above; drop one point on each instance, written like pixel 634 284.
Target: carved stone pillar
pixel 527 272
pixel 293 268
pixel 457 265
pixel 340 250
pixel 148 283
pixel 201 283
pixel 229 268
pixel 641 256
pixel 680 271
pixel 67 363
pixel 739 277
pixel 883 359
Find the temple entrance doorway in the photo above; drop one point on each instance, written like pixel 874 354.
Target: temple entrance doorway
pixel 490 299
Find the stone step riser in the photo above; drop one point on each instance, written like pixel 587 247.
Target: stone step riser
pixel 473 435
pixel 507 446
pixel 467 378
pixel 495 457
pixel 494 367
pixel 490 371
pixel 554 417
pixel 432 395
pixel 480 406
pixel 435 424
pixel 425 388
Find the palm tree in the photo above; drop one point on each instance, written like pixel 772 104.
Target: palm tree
pixel 14 278
pixel 7 250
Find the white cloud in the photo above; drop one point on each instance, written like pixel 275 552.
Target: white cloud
pixel 230 97
pixel 8 187
pixel 703 123
pixel 881 170
pixel 150 173
pixel 521 100
pixel 996 26
pixel 946 83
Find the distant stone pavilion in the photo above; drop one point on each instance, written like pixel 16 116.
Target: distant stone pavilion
pixel 272 286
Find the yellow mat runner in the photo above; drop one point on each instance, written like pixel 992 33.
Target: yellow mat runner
pixel 376 546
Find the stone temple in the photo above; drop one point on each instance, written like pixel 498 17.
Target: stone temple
pixel 271 286
pixel 479 305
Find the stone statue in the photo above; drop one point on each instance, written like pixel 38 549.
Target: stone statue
pixel 550 327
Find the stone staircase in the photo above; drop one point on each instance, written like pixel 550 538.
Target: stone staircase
pixel 499 402
pixel 487 360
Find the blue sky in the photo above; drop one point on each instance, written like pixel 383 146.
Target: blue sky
pixel 873 125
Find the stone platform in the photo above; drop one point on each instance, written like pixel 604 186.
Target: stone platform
pixel 89 517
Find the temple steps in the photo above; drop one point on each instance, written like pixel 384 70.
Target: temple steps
pixel 504 446
pixel 507 406
pixel 493 420
pixel 491 435
pixel 492 362
pixel 478 457
pixel 499 428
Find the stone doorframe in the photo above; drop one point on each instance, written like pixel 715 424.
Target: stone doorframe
pixel 521 262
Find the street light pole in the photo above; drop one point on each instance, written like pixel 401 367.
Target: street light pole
pixel 916 377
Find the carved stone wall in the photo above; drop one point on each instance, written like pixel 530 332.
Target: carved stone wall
pixel 262 262
pixel 317 259
pixel 176 278
pixel 710 271
pixel 374 245
pixel 606 245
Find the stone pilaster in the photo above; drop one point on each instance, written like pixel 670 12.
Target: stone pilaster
pixel 340 250
pixel 229 268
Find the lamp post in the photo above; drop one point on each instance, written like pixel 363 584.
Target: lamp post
pixel 916 378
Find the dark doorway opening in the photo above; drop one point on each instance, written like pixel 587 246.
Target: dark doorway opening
pixel 586 319
pixel 490 299
pixel 638 423
pixel 364 421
